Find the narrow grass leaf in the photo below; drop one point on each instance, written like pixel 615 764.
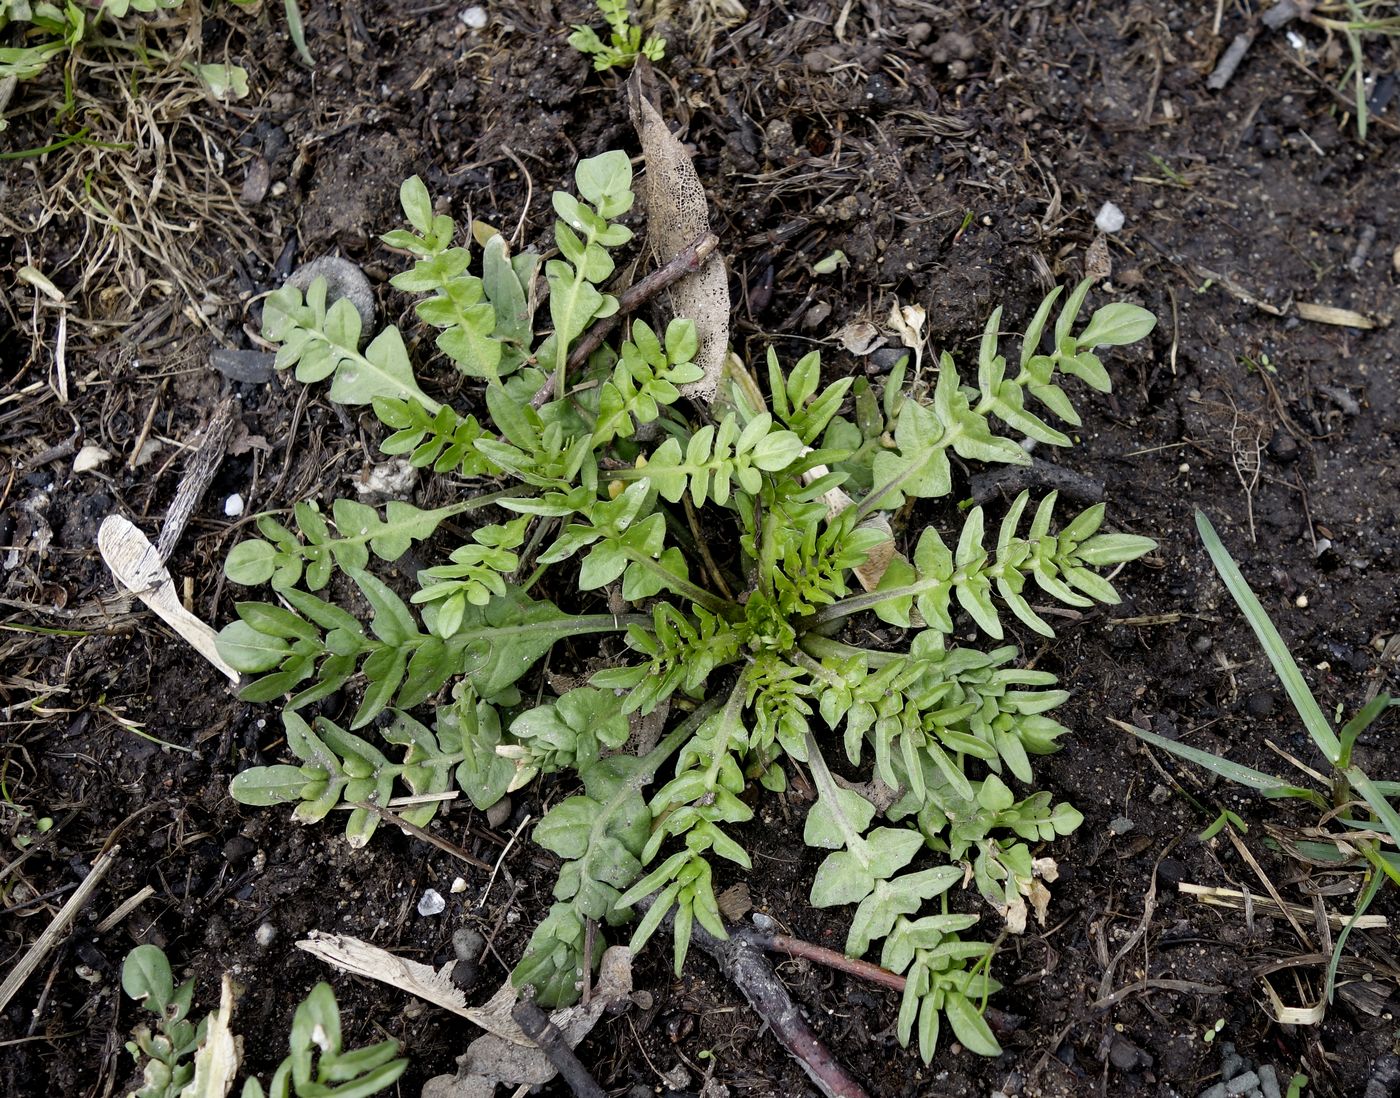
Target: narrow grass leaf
pixel 1284 666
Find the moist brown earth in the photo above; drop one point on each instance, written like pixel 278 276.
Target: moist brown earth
pixel 957 155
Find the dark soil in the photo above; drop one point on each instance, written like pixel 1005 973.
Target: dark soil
pixel 957 154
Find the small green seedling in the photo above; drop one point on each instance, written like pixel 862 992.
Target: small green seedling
pixel 182 1059
pixel 625 43
pixel 43 30
pixel 1212 1032
pixel 1226 818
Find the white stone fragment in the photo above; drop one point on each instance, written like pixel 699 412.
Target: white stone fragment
pixel 1110 218
pixel 233 506
pixel 432 903
pixel 89 458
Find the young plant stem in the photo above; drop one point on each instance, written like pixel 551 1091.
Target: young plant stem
pixel 687 261
pixel 815 646
pixel 728 722
pixel 651 762
pixel 870 599
pixel 829 792
pixel 679 584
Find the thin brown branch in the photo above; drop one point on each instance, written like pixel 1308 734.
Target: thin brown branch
pixel 828 958
pixel 536 1025
pixel 687 261
pixel 743 963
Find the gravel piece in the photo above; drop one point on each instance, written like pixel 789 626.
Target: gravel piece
pixel 248 367
pixel 343 279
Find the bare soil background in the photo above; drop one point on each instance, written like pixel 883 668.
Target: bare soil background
pixel 957 154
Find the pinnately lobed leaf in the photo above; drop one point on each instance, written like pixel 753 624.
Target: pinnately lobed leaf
pixel 722 542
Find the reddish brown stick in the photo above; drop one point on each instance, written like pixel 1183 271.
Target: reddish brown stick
pixel 687 261
pixel 1001 1022
pixel 829 958
pixel 747 969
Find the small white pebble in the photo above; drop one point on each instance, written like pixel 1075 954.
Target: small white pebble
pixel 1110 218
pixel 459 886
pixel 1301 602
pixel 233 506
pixel 474 17
pixel 265 935
pixel 89 458
pixel 1184 467
pixel 432 903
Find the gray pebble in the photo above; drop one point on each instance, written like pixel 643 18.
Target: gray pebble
pixel 467 943
pixel 1217 1091
pixel 1268 1082
pixel 498 813
pixel 343 279
pixel 1241 1083
pixel 248 367
pixel 822 59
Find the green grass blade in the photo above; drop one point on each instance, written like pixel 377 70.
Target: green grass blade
pixel 1267 784
pixel 1375 800
pixel 1361 906
pixel 1359 723
pixel 297 31
pixel 1284 666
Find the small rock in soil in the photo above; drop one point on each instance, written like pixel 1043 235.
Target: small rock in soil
pixel 952 45
pixel 247 367
pixel 238 850
pixel 1126 1056
pixel 89 458
pixel 385 481
pixel 1259 704
pixel 1120 825
pixel 432 903
pixel 498 813
pixel 343 279
pixel 1171 871
pixel 467 943
pixel 821 60
pixel 1109 219
pixel 265 935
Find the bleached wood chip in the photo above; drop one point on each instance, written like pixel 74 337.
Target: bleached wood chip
pixel 137 566
pixel 1327 314
pixel 677 214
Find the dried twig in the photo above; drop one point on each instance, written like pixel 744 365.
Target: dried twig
pixel 687 261
pixel 747 969
pixel 197 478
pixel 537 1026
pixel 827 958
pixel 56 929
